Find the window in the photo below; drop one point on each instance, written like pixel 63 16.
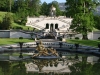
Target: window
pixel 47 26
pixel 56 26
pixel 51 27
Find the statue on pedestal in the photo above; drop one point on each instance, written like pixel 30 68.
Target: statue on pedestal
pixel 53 11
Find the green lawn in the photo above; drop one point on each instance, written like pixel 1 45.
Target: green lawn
pixel 85 42
pixel 5 41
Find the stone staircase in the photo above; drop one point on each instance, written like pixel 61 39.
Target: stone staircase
pixel 35 26
pixel 48 40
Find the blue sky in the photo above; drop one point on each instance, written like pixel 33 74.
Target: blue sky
pixel 48 1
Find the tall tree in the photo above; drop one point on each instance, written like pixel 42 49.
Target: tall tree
pixel 44 9
pixel 35 6
pixel 56 5
pixel 97 21
pixel 5 5
pixel 11 4
pixel 21 11
pixel 7 21
pixel 81 12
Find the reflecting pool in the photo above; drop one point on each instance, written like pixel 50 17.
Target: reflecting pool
pixel 70 64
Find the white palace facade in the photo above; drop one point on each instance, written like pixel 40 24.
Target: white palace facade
pixel 57 25
pixel 52 25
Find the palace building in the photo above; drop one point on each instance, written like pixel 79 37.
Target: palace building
pixel 53 25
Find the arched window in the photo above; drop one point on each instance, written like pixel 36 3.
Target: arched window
pixel 47 26
pixel 51 27
pixel 56 26
pixel 51 24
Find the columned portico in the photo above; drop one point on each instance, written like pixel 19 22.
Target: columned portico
pixel 51 26
pixel 56 26
pixel 51 30
pixel 47 26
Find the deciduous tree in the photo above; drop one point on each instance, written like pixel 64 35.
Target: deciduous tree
pixel 7 21
pixel 82 13
pixel 44 9
pixel 97 21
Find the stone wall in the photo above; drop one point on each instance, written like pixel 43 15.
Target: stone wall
pixel 25 34
pixel 4 34
pixel 90 36
pixel 14 34
pixel 17 34
pixel 96 35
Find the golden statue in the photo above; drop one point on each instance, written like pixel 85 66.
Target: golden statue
pixel 42 51
pixel 53 51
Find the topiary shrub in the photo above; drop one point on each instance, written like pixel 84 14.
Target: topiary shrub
pixel 76 37
pixel 70 47
pixel 38 39
pixel 59 38
pixel 98 38
pixel 20 37
pixel 28 47
pixel 10 47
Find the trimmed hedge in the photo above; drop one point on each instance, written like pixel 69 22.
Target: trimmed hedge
pixel 98 38
pixel 76 37
pixel 20 37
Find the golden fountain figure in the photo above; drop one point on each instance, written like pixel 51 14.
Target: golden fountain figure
pixel 45 52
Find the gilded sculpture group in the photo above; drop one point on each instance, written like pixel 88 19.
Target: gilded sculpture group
pixel 42 51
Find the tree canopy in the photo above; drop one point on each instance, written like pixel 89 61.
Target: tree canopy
pixel 82 13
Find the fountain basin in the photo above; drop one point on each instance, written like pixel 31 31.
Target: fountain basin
pixel 46 57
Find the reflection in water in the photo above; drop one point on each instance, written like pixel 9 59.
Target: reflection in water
pixel 67 66
pixel 41 63
pixel 48 66
pixel 5 68
pixel 18 68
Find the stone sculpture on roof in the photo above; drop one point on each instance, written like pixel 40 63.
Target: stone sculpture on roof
pixel 53 11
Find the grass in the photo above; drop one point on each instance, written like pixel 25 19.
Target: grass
pixel 6 41
pixel 14 25
pixel 85 42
